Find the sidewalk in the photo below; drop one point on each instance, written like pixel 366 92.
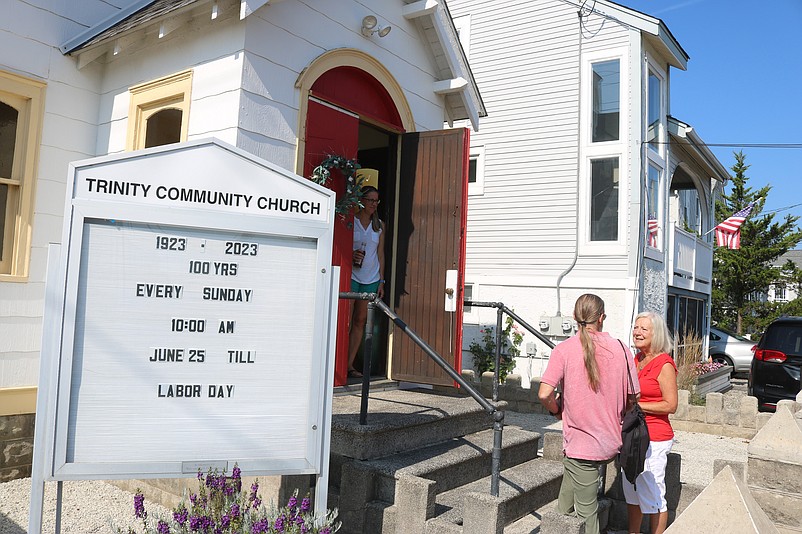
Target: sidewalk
pixel 698 450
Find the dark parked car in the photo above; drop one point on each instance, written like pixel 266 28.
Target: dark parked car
pixel 777 363
pixel 731 349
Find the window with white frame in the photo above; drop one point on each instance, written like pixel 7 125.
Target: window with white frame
pixel 604 195
pixel 654 136
pixel 159 111
pixel 602 187
pixel 21 112
pixel 476 171
pixel 606 101
pixel 779 292
pixel 654 111
pixel 653 211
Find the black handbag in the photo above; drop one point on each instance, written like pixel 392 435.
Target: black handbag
pixel 634 434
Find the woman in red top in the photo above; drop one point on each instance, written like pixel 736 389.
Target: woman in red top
pixel 657 374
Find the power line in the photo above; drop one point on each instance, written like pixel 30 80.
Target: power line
pixel 735 145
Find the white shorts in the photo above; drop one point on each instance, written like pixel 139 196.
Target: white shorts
pixel 651 494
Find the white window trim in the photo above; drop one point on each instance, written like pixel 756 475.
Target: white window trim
pixel 607 149
pixel 477 187
pixel 656 158
pixel 26 157
pixel 472 317
pixel 655 253
pixel 654 68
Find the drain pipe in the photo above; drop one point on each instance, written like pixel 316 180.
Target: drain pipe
pixel 578 162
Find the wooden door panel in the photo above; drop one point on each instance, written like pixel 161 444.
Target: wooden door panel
pixel 431 233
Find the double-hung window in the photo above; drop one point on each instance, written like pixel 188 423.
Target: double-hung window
pixel 655 166
pixel 21 112
pixel 603 170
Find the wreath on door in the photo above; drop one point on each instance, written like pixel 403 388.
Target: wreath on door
pixel 321 175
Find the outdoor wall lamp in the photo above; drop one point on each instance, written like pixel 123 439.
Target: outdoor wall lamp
pixel 370 25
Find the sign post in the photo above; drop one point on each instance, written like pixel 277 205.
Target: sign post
pixel 195 287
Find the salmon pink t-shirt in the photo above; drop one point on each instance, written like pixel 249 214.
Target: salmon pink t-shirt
pixel 591 419
pixel 658 424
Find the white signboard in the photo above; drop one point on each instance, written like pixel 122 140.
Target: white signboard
pixel 197 293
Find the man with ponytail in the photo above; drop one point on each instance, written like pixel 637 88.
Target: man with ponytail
pixel 590 370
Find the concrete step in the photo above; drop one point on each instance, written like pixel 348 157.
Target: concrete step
pixel 455 462
pixel 523 488
pixel 546 520
pixel 402 420
pixel 411 479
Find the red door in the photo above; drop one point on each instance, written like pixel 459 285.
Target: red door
pixel 335 131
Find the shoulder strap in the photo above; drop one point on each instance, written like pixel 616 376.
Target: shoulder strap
pixel 629 375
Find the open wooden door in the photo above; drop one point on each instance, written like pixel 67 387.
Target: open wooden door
pixel 335 131
pixel 432 217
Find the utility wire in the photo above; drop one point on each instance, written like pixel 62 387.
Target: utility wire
pixel 736 145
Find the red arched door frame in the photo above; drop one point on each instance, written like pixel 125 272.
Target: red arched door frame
pixel 343 96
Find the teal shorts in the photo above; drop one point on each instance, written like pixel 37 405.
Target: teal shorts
pixel 356 287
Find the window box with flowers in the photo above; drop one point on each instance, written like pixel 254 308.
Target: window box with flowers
pixel 711 377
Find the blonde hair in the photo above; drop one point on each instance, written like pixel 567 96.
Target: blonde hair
pixel 661 337
pixel 589 308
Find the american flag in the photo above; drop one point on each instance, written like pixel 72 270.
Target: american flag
pixel 728 232
pixel 652 228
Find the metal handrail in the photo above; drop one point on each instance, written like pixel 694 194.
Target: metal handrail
pixel 498 415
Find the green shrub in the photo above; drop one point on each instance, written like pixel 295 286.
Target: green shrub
pixel 484 352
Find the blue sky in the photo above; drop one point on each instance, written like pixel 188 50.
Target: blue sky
pixel 743 84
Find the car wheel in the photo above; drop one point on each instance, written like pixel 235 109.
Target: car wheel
pixel 723 359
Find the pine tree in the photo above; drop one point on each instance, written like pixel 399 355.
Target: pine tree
pixel 741 273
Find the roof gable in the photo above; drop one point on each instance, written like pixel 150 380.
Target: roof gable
pixel 455 82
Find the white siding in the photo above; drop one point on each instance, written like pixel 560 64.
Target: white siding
pixel 30 33
pixel 243 92
pixel 525 57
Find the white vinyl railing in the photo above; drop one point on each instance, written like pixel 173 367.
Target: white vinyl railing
pixel 691 261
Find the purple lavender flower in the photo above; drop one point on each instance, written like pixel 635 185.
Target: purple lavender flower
pixel 194 523
pixel 292 503
pixel 305 504
pixel 325 530
pixel 180 516
pixel 162 527
pixel 260 527
pixel 225 521
pixel 235 510
pixel 279 524
pixel 139 506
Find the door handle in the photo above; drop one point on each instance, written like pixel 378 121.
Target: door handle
pixel 449 292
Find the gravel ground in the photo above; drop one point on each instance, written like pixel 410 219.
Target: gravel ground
pixel 87 507
pixel 91 506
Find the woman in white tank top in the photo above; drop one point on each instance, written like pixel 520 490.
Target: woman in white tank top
pixel 367 273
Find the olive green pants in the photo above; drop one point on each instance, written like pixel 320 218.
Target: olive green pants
pixel 579 491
